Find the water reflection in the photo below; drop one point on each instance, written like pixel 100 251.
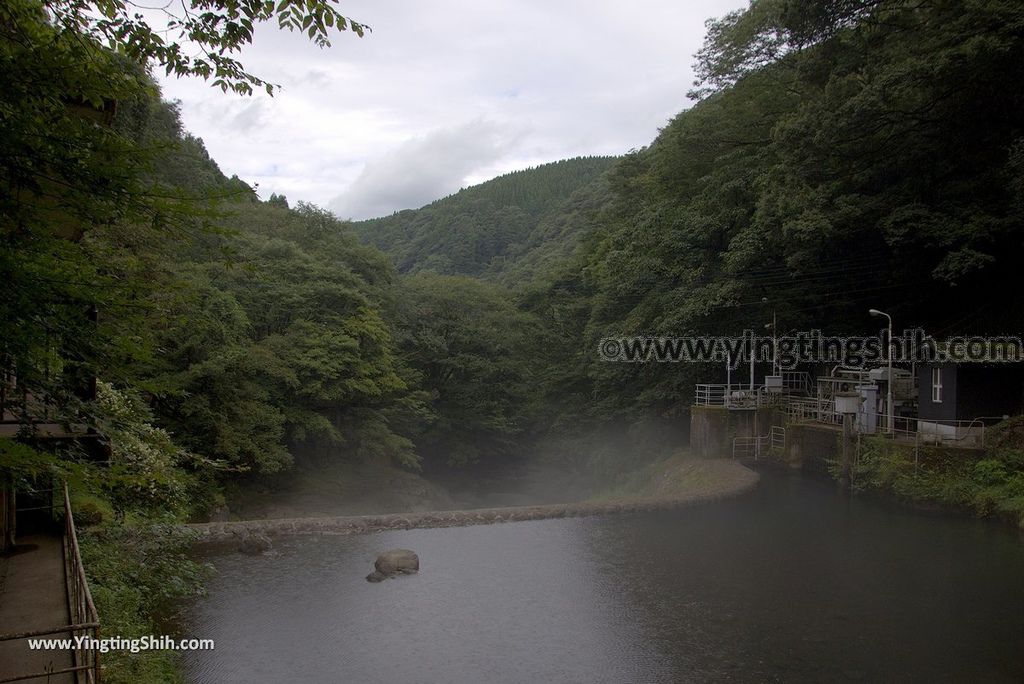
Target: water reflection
pixel 789 583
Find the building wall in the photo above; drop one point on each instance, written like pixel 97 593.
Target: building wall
pixel 994 390
pixel 971 390
pixel 947 408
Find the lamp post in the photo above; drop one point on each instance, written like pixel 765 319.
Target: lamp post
pixel 773 326
pixel 764 300
pixel 876 312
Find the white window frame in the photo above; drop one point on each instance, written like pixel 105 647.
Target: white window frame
pixel 936 385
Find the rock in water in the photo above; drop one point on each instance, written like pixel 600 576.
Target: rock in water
pixel 397 561
pixel 254 544
pixel 394 562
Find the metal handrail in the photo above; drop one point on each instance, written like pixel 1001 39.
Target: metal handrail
pixel 747 447
pixel 921 430
pixel 735 395
pixel 797 380
pixel 81 609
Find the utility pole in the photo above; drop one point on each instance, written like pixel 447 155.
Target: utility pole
pixel 775 345
pixel 728 378
pixel 889 425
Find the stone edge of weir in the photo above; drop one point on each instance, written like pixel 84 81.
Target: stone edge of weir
pixel 742 481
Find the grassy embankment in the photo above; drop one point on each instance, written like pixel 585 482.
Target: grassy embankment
pixel 139 574
pixel 674 476
pixel 988 482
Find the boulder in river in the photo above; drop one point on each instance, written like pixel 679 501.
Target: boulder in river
pixel 254 543
pixel 392 563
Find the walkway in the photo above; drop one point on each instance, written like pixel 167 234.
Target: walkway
pixel 33 596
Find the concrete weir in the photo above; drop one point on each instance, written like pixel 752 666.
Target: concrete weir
pixel 736 480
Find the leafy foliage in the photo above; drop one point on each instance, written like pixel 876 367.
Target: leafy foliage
pixel 135 575
pixel 216 28
pixel 146 471
pixel 848 155
pixel 989 484
pixel 285 346
pixel 477 357
pixel 498 230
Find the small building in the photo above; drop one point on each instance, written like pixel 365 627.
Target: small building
pixel 952 396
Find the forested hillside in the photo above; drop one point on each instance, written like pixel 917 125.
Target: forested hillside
pixel 841 157
pixel 502 230
pixel 233 334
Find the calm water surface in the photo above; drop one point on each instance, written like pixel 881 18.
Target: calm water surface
pixel 789 583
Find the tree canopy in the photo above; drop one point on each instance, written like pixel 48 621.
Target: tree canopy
pixel 213 29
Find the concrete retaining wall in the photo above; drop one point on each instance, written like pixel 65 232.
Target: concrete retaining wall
pixel 810 447
pixel 713 428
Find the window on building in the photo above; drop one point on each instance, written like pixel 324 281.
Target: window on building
pixel 937 385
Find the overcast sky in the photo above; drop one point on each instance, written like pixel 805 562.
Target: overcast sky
pixel 445 94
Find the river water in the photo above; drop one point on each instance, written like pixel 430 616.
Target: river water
pixel 792 582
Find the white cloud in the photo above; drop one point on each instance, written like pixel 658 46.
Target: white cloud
pixel 446 93
pixel 422 169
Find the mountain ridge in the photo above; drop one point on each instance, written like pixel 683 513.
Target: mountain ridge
pixel 500 230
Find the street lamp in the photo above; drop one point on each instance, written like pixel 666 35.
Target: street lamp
pixel 773 326
pixel 764 300
pixel 876 312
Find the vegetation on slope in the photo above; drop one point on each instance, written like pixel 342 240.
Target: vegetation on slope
pixel 488 229
pixel 989 482
pixel 843 155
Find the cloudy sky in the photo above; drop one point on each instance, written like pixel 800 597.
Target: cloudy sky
pixel 445 94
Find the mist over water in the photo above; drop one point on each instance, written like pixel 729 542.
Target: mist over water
pixel 789 583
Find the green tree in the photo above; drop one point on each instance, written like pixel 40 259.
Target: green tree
pixel 216 28
pixel 477 356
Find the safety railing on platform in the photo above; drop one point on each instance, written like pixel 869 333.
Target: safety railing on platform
pixel 967 433
pixel 797 381
pixel 800 409
pixel 82 612
pixel 737 396
pixel 713 395
pixel 749 447
pixel 760 446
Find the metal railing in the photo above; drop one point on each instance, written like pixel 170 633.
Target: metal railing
pixel 714 395
pixel 797 381
pixel 760 446
pixel 749 447
pixel 81 610
pixel 800 409
pixel 968 433
pixel 743 396
pixel 737 396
